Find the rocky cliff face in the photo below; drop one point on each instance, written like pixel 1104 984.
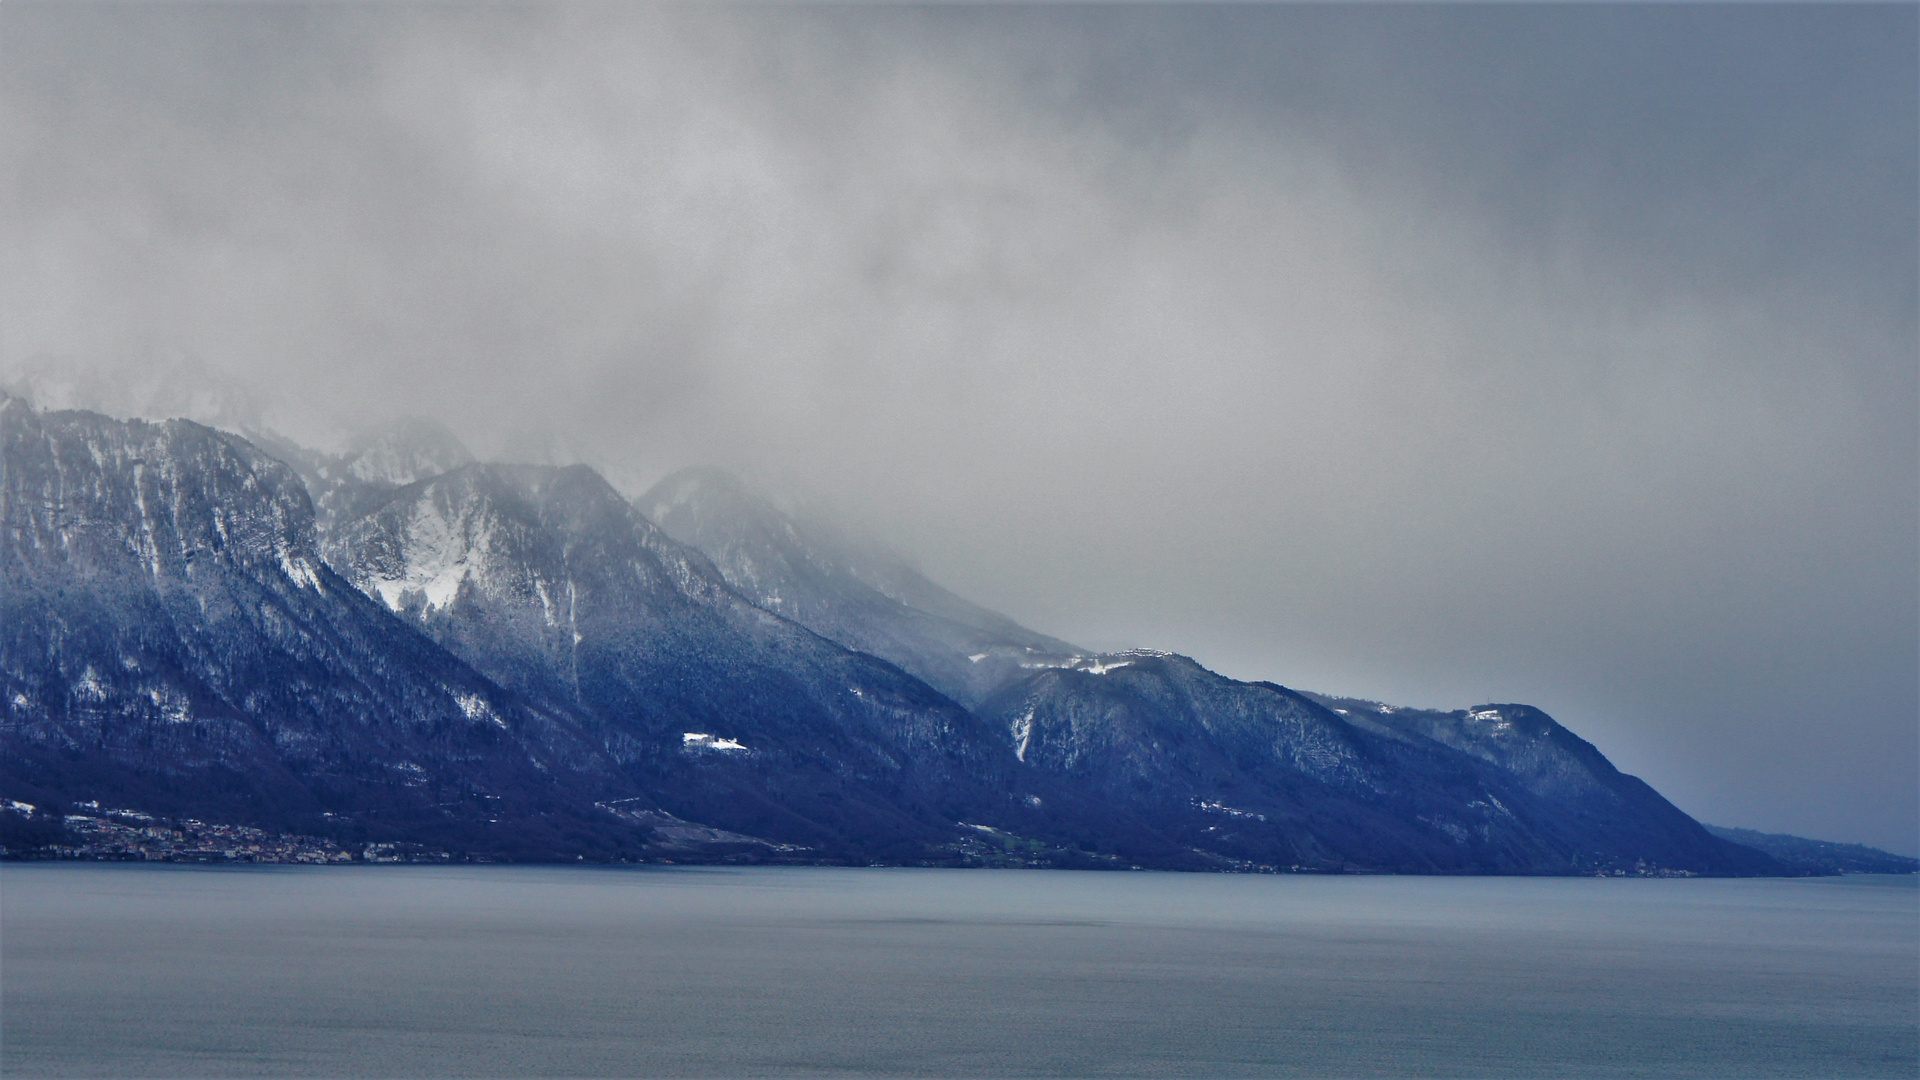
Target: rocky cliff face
pixel 171 636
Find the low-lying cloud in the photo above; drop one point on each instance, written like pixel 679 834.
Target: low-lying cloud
pixel 1197 329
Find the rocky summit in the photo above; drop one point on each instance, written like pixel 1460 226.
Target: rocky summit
pixel 401 648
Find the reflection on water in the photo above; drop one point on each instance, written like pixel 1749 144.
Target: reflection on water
pixel 497 971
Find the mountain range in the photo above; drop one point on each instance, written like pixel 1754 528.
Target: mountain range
pixel 401 644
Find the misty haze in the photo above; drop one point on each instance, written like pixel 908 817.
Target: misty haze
pixel 1285 441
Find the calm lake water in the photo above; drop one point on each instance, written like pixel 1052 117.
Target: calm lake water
pixel 130 971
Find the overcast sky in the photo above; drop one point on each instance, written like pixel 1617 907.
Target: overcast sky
pixel 1432 354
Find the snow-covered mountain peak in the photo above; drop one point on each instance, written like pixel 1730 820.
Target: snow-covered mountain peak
pixel 405 452
pixel 854 592
pixel 88 489
pixel 694 490
pixel 525 535
pixel 537 649
pixel 347 486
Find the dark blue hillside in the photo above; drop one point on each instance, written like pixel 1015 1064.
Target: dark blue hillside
pixel 170 639
pixel 1175 762
pixel 548 581
pixel 1819 856
pixel 514 662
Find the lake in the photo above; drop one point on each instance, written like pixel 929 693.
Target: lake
pixel 121 971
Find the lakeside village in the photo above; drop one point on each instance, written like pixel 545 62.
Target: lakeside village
pixel 91 832
pixel 94 832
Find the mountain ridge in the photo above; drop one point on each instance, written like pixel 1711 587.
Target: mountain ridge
pixel 1123 717
pixel 1819 856
pixel 546 578
pixel 173 636
pixel 433 649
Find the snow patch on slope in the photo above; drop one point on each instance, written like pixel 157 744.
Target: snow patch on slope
pixel 301 571
pixel 478 708
pixel 439 557
pixel 700 740
pixel 1022 734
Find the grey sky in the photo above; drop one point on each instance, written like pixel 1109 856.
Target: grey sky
pixel 1434 354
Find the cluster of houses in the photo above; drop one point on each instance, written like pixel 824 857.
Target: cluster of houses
pixel 103 833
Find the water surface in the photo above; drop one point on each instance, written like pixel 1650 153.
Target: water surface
pixel 497 971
